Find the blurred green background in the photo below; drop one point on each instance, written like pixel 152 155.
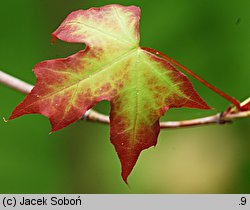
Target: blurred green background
pixel 210 37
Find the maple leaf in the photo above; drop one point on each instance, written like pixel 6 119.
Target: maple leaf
pixel 139 85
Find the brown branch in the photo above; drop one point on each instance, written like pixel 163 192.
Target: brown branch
pixel 91 115
pixel 221 118
pixel 15 83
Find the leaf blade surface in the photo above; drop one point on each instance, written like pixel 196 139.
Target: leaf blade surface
pixel 139 85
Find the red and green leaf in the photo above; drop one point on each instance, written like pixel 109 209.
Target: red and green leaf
pixel 139 85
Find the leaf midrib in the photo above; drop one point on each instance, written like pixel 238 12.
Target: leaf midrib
pixel 135 122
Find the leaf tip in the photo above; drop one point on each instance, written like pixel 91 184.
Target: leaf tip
pixel 125 176
pixel 12 117
pixel 125 179
pixel 4 119
pixel 53 38
pixel 207 107
pixel 53 129
pixel 127 164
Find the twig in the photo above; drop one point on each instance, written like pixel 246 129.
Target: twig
pixel 214 119
pixel 15 83
pixel 92 115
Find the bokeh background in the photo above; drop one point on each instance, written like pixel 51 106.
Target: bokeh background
pixel 210 37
